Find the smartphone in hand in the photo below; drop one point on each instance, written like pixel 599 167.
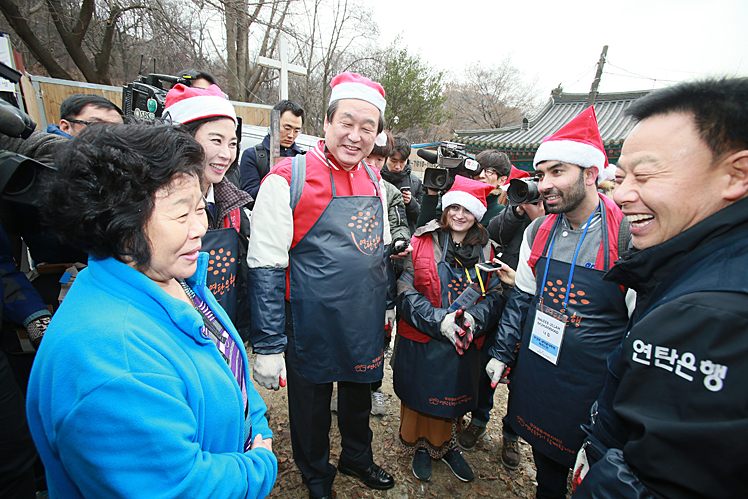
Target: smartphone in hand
pixel 489 266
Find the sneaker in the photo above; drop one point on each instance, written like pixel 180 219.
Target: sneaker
pixel 469 436
pixel 334 403
pixel 422 465
pixel 511 454
pixel 377 403
pixel 458 465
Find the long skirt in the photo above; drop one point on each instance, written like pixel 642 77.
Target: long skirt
pixel 419 430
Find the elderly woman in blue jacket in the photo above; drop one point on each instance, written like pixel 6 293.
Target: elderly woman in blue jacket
pixel 141 387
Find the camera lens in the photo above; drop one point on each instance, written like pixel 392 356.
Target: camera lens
pixel 440 179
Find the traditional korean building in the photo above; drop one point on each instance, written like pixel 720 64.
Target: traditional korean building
pixel 520 142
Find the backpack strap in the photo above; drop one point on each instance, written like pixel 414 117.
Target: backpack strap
pixel 624 237
pixel 298 179
pixel 535 229
pixel 261 156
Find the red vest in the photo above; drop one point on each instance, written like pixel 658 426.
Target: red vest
pixel 426 281
pixel 233 219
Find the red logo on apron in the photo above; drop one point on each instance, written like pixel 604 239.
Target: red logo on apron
pixel 362 225
pixel 557 292
pixel 219 264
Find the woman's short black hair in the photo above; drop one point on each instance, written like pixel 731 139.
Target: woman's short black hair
pixel 104 192
pixel 477 234
pixel 193 126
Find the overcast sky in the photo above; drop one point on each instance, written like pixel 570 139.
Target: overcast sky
pixel 651 43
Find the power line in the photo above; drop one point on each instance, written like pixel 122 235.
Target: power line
pixel 585 73
pixel 642 77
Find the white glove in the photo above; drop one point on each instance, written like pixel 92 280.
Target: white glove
pixel 270 371
pixel 495 368
pixel 390 318
pixel 469 323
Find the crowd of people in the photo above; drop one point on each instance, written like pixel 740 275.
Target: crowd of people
pixel 614 318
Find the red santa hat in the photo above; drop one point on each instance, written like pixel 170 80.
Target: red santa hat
pixel 516 173
pixel 578 142
pixel 470 194
pixel 352 86
pixel 185 104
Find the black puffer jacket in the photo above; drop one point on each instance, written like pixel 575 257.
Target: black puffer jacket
pixel 676 397
pixel 404 179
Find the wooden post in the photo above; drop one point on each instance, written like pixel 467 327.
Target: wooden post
pixel 274 152
pixel 598 75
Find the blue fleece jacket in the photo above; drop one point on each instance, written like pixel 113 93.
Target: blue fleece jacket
pixel 127 398
pixel 54 129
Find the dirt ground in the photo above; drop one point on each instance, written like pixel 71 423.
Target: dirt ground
pixel 491 478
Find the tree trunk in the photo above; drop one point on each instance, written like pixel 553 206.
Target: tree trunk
pixel 72 38
pixel 232 78
pixel 22 29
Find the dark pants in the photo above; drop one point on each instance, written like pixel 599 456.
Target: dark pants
pixel 310 420
pixel 552 477
pixel 17 451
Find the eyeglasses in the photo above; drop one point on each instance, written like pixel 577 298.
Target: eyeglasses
pixel 84 122
pixel 81 122
pixel 291 130
pixel 491 170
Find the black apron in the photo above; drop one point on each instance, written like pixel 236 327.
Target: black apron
pixel 222 245
pixel 338 291
pixel 548 403
pixel 432 377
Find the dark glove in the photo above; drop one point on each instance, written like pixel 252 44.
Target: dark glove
pixel 37 328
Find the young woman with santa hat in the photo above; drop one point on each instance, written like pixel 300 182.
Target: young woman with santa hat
pixel 209 117
pixel 437 359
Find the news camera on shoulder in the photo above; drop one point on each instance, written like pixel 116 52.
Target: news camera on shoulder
pixel 451 160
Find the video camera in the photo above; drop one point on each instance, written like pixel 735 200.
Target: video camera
pixel 17 173
pixel 451 160
pixel 145 98
pixel 523 190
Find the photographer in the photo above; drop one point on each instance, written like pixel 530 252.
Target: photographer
pixel 495 169
pixel 81 110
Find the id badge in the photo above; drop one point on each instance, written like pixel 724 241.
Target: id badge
pixel 467 298
pixel 548 333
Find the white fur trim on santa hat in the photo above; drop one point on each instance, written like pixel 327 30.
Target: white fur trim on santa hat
pixel 356 90
pixel 200 106
pixel 569 151
pixel 467 201
pixel 609 173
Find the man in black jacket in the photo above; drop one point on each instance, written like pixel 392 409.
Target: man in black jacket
pixel 397 171
pixel 672 420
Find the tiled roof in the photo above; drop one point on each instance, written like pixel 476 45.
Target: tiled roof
pixel 561 108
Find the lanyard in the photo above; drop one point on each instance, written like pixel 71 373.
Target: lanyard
pixel 477 272
pixel 573 262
